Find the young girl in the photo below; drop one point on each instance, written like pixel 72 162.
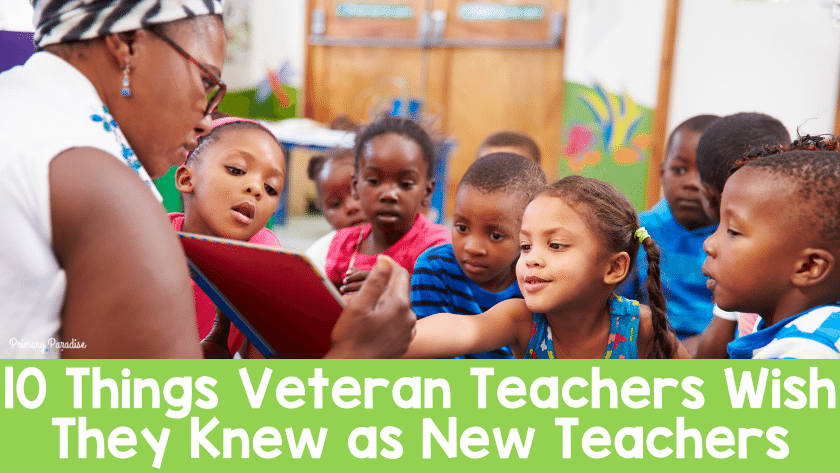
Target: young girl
pixel 478 270
pixel 333 177
pixel 393 181
pixel 231 185
pixel 578 240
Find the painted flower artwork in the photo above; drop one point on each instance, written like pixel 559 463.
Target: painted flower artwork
pixel 606 126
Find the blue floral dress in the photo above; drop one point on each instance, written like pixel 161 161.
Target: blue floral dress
pixel 624 332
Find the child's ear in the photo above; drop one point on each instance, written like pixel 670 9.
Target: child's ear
pixel 430 189
pixel 813 267
pixel 619 266
pixel 711 201
pixel 183 179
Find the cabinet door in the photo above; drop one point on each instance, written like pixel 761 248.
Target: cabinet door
pixel 498 66
pixel 477 67
pixel 360 55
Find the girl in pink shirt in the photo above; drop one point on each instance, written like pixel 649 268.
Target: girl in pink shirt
pixel 394 160
pixel 230 185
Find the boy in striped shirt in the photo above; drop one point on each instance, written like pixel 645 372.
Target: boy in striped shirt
pixel 477 270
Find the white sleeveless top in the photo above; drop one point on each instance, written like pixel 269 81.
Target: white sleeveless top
pixel 47 107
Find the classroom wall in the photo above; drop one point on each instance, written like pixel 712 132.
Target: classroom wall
pixel 611 72
pixel 276 35
pixel 777 57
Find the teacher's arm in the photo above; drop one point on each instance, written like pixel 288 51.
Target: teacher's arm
pixel 128 292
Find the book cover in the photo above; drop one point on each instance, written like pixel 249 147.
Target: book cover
pixel 275 297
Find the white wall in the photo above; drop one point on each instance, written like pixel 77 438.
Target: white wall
pixel 778 58
pixel 277 29
pixel 616 43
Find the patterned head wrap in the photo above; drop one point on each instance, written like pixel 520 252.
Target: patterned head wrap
pixel 61 21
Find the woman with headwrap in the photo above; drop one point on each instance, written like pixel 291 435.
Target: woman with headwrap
pixel 116 93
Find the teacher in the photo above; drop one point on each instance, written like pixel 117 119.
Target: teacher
pixel 115 95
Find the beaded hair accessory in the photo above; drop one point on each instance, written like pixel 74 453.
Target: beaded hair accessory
pixel 641 234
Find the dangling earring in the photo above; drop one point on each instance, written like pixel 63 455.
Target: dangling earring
pixel 125 91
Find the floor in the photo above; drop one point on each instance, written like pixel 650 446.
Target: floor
pixel 300 232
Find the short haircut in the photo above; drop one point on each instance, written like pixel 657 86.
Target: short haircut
pixel 213 136
pixel 402 126
pixel 513 139
pixel 813 165
pixel 696 124
pixel 505 172
pixel 728 139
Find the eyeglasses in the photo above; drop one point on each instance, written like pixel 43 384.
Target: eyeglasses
pixel 217 93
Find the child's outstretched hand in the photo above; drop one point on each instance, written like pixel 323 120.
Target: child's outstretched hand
pixel 378 321
pixel 352 282
pixel 215 344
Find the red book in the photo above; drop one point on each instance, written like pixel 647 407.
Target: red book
pixel 275 297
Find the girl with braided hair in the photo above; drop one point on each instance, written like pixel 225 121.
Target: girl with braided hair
pixel 578 240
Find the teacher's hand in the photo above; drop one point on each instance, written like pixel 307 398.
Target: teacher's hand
pixel 378 322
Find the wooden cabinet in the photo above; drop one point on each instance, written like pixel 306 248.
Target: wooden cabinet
pixel 477 68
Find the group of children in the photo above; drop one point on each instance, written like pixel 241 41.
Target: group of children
pixel 537 270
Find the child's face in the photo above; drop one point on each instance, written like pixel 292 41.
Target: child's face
pixel 485 236
pixel 561 262
pixel 681 181
pixel 234 187
pixel 753 253
pixel 392 182
pixel 340 207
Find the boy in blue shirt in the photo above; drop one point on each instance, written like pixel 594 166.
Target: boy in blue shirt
pixel 477 270
pixel 679 226
pixel 776 251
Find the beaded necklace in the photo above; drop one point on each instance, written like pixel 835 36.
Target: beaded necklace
pixel 128 156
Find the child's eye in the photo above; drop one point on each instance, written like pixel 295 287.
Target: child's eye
pixel 524 247
pixel 497 236
pixel 556 246
pixel 333 204
pixel 679 171
pixel 372 181
pixel 732 232
pixel 460 228
pixel 235 171
pixel 270 190
pixel 407 185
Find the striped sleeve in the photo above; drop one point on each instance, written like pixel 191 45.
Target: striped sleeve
pixel 799 349
pixel 429 292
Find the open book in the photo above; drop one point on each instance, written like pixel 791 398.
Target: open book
pixel 275 297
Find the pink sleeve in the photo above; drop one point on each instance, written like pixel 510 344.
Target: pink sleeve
pixel 441 235
pixel 335 255
pixel 265 237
